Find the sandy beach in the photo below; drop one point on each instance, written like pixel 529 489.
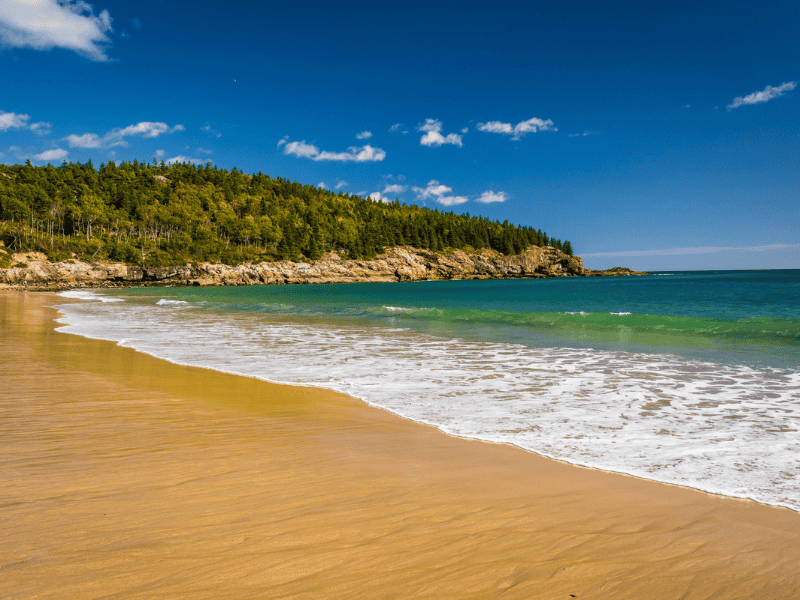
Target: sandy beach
pixel 124 476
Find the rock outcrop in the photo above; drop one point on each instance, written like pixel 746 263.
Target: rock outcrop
pixel 33 271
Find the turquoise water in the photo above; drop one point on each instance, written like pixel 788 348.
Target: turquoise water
pixel 686 378
pixel 732 317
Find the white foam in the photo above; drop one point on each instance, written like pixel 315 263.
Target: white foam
pixel 622 314
pixel 724 429
pixel 165 302
pixel 85 295
pixel 397 309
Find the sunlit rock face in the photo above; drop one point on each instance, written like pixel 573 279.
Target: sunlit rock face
pixel 33 271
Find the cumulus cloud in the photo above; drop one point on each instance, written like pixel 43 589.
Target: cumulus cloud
pixel 398 128
pixel 378 197
pixel 116 137
pixel 364 135
pixel 87 140
pixel 440 193
pixel 299 149
pixel 10 120
pixel 41 128
pixel 323 185
pixel 533 125
pixel 768 93
pixel 148 129
pixel 490 196
pixel 184 159
pixel 690 250
pixel 160 153
pixel 395 189
pixel 353 154
pixel 341 184
pixel 48 24
pixel 364 154
pixel 433 135
pixel 54 154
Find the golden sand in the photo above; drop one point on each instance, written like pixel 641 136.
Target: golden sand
pixel 123 476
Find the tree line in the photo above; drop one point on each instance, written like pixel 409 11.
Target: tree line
pixel 158 214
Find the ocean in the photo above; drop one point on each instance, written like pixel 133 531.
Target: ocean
pixel 688 378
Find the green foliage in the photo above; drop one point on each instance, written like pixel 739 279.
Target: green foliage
pixel 182 213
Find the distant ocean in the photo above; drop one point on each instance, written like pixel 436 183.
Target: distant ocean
pixel 691 378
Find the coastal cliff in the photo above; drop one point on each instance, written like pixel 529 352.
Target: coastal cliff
pixel 33 271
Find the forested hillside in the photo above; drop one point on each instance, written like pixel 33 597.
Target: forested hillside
pixel 182 213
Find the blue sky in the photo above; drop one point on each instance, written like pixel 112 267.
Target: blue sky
pixel 656 135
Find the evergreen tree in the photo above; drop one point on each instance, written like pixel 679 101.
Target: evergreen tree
pixel 181 213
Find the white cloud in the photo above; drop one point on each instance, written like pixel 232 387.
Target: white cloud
pixel 41 128
pixel 690 250
pixel 341 184
pixel 47 24
pixel 768 93
pixel 299 149
pixel 160 153
pixel 378 197
pixel 323 185
pixel 10 120
pixel 584 134
pixel 433 135
pixel 184 159
pixel 452 200
pixel 398 128
pixel 395 189
pixel 465 130
pixel 54 154
pixel 353 154
pixel 204 151
pixel 490 196
pixel 87 140
pixel 496 127
pixel 533 125
pixel 364 135
pixel 439 193
pixel 364 154
pixel 116 137
pixel 148 129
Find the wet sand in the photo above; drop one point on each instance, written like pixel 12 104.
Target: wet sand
pixel 124 476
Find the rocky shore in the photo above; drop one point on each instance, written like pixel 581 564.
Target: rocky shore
pixel 33 271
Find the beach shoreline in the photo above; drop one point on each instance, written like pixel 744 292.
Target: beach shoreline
pixel 292 491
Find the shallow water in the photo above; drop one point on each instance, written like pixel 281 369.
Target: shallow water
pixel 683 378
